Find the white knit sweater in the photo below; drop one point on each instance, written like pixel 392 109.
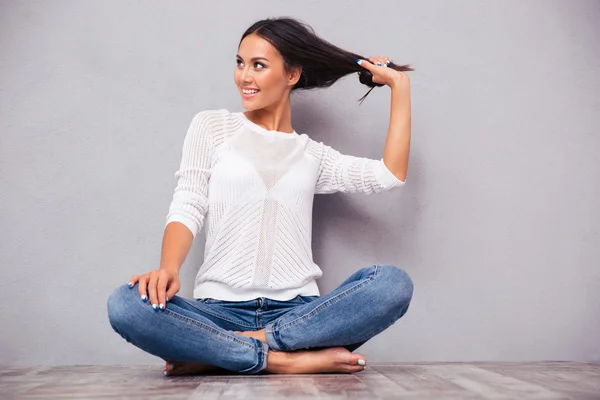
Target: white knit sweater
pixel 253 188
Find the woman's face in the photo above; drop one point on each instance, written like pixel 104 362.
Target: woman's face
pixel 260 66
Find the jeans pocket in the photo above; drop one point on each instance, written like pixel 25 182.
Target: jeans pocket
pixel 306 299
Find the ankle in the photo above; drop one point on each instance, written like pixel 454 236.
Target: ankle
pixel 278 362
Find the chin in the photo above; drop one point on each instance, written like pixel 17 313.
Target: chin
pixel 249 106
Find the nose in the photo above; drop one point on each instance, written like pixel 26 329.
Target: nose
pixel 246 77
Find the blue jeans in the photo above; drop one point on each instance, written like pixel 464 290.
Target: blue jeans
pixel 201 330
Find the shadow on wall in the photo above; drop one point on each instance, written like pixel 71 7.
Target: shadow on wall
pixel 377 224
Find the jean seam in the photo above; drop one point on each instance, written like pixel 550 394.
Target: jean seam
pixel 208 311
pixel 272 329
pixel 344 293
pixel 191 321
pixel 261 364
pixel 263 360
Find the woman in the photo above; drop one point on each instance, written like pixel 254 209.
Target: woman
pixel 251 178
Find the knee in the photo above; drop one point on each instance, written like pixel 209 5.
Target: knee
pixel 121 306
pixel 398 284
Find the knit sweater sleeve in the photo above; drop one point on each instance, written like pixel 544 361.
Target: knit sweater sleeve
pixel 350 174
pixel 190 198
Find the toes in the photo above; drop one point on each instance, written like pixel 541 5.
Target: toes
pixel 359 360
pixel 355 362
pixel 351 369
pixel 357 368
pixel 169 368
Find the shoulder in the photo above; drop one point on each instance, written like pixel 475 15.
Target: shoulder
pixel 316 148
pixel 216 121
pixel 220 124
pixel 211 117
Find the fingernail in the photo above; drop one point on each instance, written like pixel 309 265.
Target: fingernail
pixel 358 61
pixel 130 284
pixel 155 307
pixel 378 63
pixel 365 367
pixel 144 298
pixel 162 307
pixel 361 361
pixel 165 373
pixel 172 366
pixel 388 62
pixel 167 298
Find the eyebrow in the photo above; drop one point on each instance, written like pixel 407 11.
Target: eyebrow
pixel 253 58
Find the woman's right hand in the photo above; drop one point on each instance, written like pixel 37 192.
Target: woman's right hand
pixel 159 285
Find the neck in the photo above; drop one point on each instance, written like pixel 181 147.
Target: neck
pixel 273 118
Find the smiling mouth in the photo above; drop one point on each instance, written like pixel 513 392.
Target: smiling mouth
pixel 249 96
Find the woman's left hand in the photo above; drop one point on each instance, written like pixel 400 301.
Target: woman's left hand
pixel 384 75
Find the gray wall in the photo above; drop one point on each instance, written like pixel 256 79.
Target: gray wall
pixel 497 224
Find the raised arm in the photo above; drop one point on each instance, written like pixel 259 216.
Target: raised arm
pixel 350 174
pixel 397 144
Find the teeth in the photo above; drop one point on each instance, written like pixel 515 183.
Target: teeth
pixel 249 91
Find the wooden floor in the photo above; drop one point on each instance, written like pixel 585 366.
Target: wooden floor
pixel 536 380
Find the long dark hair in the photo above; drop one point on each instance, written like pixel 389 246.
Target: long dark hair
pixel 322 62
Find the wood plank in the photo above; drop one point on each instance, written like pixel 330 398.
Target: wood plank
pixel 381 381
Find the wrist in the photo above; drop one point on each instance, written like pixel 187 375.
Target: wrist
pixel 399 82
pixel 170 267
pixel 395 83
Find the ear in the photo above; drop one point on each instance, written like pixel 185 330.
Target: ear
pixel 294 76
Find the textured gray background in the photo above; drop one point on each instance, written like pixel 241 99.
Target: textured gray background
pixel 497 224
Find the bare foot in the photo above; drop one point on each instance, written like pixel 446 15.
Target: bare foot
pixel 175 368
pixel 332 359
pixel 260 335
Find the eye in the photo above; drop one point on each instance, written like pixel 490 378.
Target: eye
pixel 238 61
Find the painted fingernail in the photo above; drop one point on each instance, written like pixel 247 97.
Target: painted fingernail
pixel 172 366
pixel 162 307
pixel 130 285
pixel 361 361
pixel 365 367
pixel 387 62
pixel 144 298
pixel 165 373
pixel 378 63
pixel 167 298
pixel 358 61
pixel 155 307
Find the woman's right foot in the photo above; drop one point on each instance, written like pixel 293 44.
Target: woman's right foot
pixel 332 359
pixel 175 368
